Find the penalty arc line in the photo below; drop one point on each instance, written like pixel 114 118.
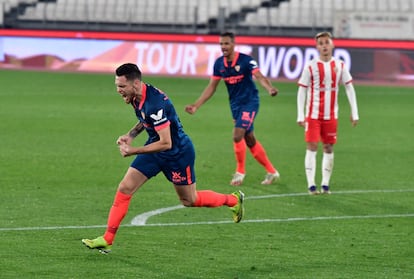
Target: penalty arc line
pixel 140 220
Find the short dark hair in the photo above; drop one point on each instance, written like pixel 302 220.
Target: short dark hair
pixel 129 70
pixel 228 34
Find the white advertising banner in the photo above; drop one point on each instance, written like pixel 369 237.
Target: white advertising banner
pixel 374 25
pixel 194 55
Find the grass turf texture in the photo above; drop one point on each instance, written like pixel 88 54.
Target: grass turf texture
pixel 60 168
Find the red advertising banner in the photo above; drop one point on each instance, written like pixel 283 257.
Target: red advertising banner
pixel 194 55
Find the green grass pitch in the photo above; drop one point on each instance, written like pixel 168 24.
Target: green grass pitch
pixel 60 166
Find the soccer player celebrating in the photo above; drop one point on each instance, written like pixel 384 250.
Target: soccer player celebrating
pixel 318 88
pixel 237 71
pixel 168 150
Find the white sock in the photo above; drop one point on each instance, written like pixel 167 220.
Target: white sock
pixel 310 167
pixel 327 166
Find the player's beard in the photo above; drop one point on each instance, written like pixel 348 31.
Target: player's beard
pixel 127 99
pixel 228 53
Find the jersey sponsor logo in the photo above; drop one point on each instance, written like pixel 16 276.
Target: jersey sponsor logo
pixel 158 117
pixel 233 79
pixel 246 116
pixel 177 178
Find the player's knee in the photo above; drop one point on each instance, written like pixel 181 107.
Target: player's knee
pixel 328 148
pixel 250 142
pixel 312 146
pixel 237 138
pixel 125 188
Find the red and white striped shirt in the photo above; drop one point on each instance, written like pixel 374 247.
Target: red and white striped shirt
pixel 321 80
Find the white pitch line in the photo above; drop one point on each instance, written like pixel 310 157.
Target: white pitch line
pixel 292 219
pixel 336 193
pixel 51 228
pixel 140 220
pixel 278 220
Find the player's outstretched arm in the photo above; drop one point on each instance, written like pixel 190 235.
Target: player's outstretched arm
pixel 207 94
pixel 265 82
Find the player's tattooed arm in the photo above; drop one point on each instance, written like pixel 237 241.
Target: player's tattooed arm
pixel 136 130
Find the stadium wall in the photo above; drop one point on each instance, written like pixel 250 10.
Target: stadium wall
pixel 194 55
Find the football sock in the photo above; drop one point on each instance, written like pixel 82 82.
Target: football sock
pixel 327 166
pixel 240 152
pixel 260 155
pixel 116 214
pixel 208 198
pixel 310 165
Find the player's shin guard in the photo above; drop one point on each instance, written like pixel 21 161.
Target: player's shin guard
pixel 260 155
pixel 327 167
pixel 310 167
pixel 116 215
pixel 240 153
pixel 208 198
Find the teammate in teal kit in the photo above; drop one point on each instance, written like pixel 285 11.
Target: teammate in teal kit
pixel 168 149
pixel 237 71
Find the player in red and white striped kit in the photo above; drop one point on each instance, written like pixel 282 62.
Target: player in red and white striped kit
pixel 318 90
